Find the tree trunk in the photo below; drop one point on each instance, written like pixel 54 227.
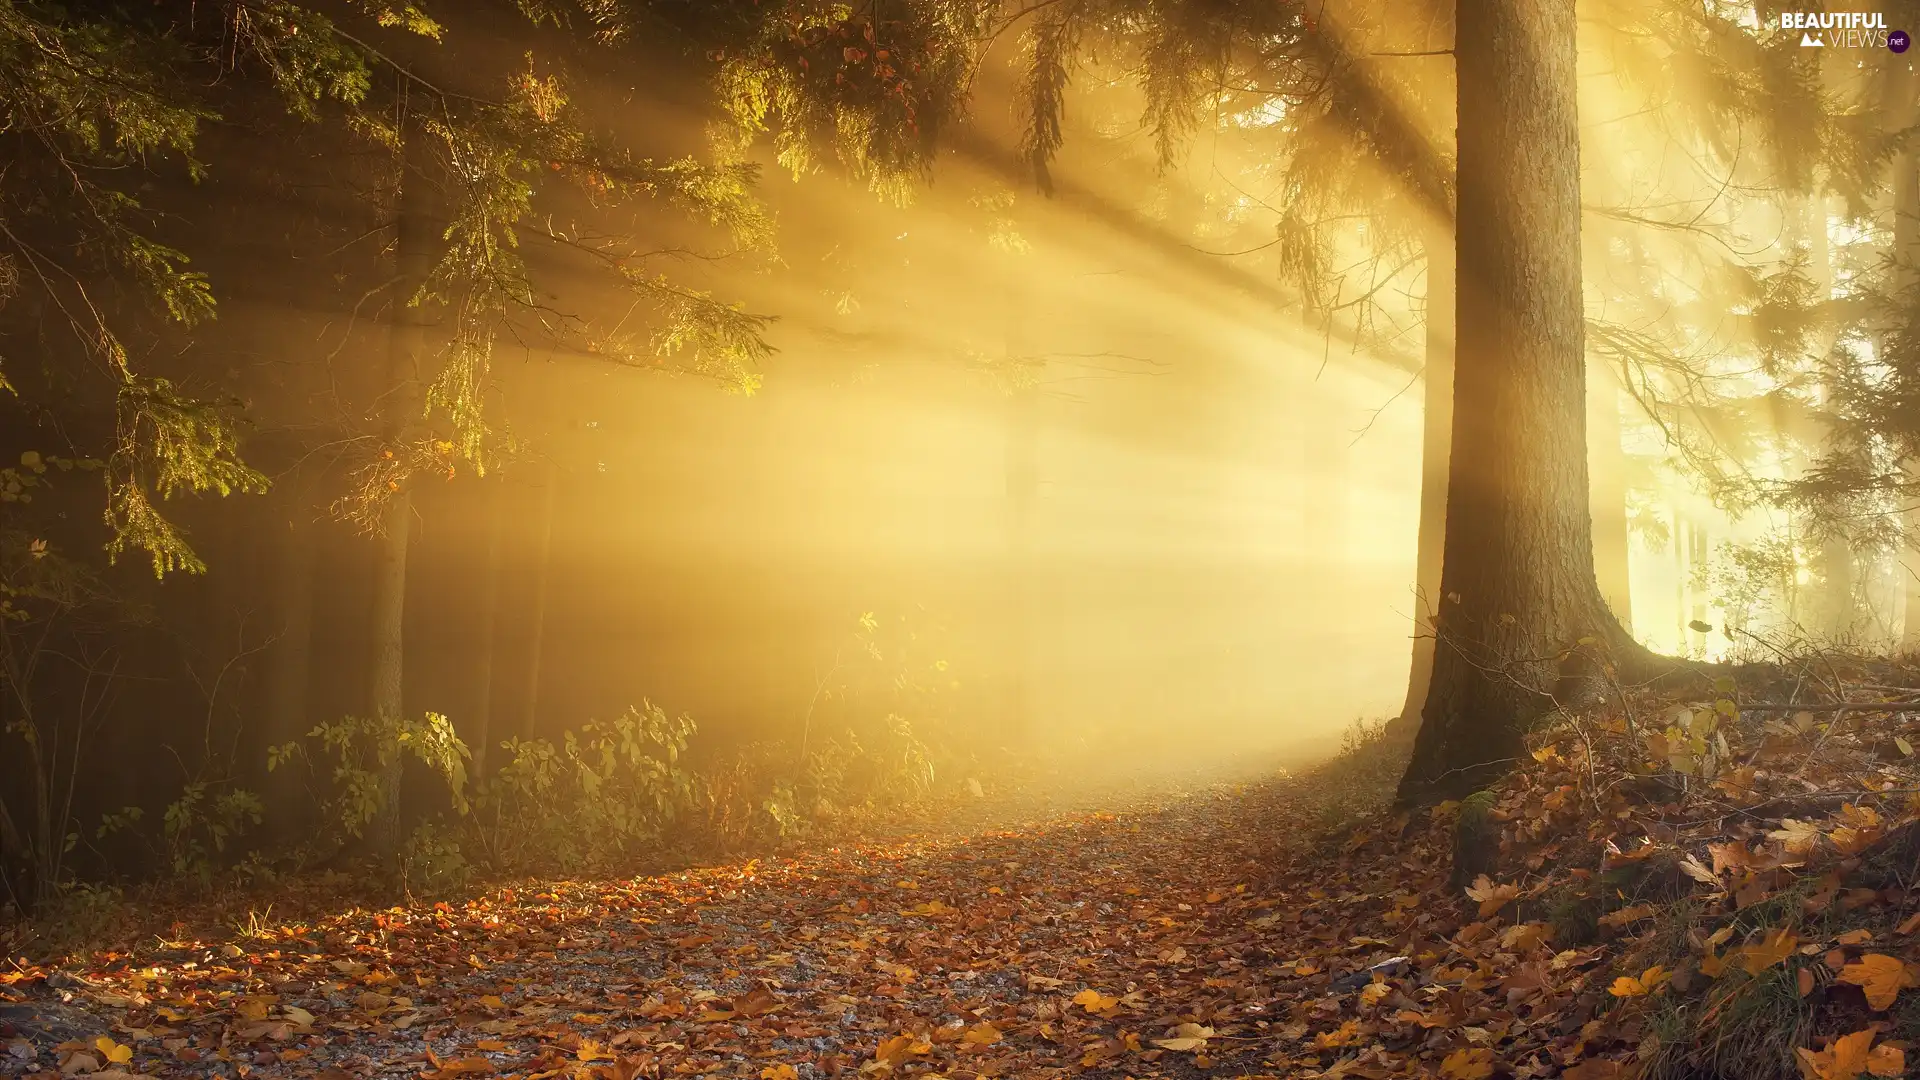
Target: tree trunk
pixel 289 664
pixel 480 728
pixel 406 346
pixel 1906 250
pixel 1607 499
pixel 1517 580
pixel 1436 435
pixel 537 618
pixel 1022 488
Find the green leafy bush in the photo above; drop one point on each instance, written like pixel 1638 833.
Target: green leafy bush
pixel 606 790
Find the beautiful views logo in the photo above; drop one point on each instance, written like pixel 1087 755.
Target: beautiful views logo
pixel 1844 30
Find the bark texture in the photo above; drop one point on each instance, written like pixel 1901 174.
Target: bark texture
pixel 1517 585
pixel 1906 248
pixel 413 259
pixel 1436 440
pixel 1607 464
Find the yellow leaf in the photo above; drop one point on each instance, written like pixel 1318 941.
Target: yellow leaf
pixel 1881 976
pixel 1187 1037
pixel 779 1072
pixel 982 1034
pixel 1345 1035
pixel 1649 981
pixel 116 1053
pixel 1464 1064
pixel 1850 1056
pixel 1798 837
pixel 900 1048
pixel 1770 950
pixel 1094 1001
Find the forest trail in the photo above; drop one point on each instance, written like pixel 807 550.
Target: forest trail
pixel 1635 920
pixel 1064 947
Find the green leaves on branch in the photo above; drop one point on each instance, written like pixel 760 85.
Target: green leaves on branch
pixel 359 751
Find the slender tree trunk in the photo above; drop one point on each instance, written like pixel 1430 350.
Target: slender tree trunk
pixel 1436 436
pixel 1022 486
pixel 288 666
pixel 1608 496
pixel 537 618
pixel 1517 580
pixel 1835 618
pixel 405 359
pixel 480 728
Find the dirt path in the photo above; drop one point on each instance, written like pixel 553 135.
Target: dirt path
pixel 1069 946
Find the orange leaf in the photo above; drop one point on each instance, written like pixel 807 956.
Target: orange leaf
pixel 1881 976
pixel 1850 1056
pixel 1094 1001
pixel 1649 981
pixel 466 1066
pixel 1770 950
pixel 1466 1064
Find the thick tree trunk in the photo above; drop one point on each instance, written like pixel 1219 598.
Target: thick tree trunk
pixel 1906 248
pixel 1436 437
pixel 1517 581
pixel 537 617
pixel 480 728
pixel 406 346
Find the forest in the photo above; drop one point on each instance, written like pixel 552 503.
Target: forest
pixel 959 539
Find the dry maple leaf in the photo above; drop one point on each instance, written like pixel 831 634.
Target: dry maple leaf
pixel 1768 951
pixel 1798 837
pixel 779 1072
pixel 901 1047
pixel 1648 982
pixel 981 1034
pixel 1851 1055
pixel 1699 872
pixel 1625 915
pixel 466 1066
pixel 1882 977
pixel 1345 1035
pixel 1465 1064
pixel 1491 897
pixel 1595 1069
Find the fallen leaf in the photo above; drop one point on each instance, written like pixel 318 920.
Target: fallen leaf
pixel 1465 1064
pixel 1186 1037
pixel 1849 1056
pixel 1774 948
pixel 1492 897
pixel 1648 982
pixel 1094 1001
pixel 1882 977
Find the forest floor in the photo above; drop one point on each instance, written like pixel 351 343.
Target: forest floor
pixel 1679 888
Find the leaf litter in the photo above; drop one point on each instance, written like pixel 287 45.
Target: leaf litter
pixel 1683 888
